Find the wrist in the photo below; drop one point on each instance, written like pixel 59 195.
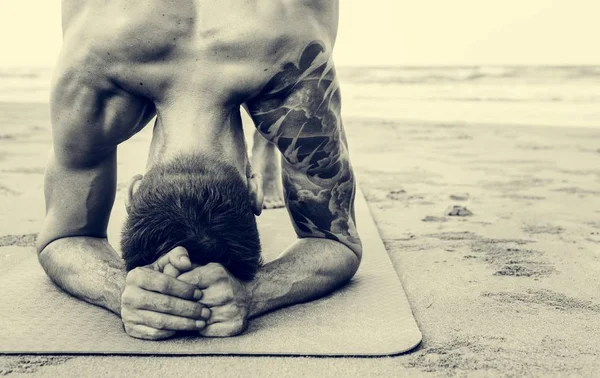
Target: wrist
pixel 116 300
pixel 249 290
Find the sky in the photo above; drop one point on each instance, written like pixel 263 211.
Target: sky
pixel 386 32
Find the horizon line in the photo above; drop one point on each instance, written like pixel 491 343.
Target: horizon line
pixel 387 65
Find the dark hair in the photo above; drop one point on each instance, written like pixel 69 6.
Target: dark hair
pixel 198 203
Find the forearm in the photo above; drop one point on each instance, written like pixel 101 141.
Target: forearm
pixel 87 268
pixel 307 270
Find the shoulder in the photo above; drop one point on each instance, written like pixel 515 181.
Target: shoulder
pixel 303 81
pixel 311 61
pixel 115 32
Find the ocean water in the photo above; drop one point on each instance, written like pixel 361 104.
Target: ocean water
pixel 537 96
pixel 25 84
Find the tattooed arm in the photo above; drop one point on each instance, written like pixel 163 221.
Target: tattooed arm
pixel 299 111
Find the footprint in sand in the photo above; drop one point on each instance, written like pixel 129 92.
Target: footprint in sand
pixel 458 211
pixel 396 194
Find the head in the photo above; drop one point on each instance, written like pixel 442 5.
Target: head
pixel 199 203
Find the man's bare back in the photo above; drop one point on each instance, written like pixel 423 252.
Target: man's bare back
pixel 196 61
pixel 193 64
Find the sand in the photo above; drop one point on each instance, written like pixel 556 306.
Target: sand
pixel 507 285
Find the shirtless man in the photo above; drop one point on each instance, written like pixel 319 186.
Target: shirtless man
pixel 193 64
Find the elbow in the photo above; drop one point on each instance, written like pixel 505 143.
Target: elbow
pixel 355 263
pixel 46 262
pixel 352 260
pixel 45 258
pixel 358 250
pixel 336 262
pixel 54 264
pixel 44 250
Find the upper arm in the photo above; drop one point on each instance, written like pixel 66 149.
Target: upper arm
pixel 299 111
pixel 89 119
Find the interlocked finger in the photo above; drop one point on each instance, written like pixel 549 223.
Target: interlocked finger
pixel 174 306
pixel 147 333
pixel 226 313
pixel 171 271
pixel 158 282
pixel 223 329
pixel 166 322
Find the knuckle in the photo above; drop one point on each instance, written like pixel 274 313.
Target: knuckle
pixel 234 328
pixel 144 332
pixel 127 298
pixel 215 269
pixel 176 253
pixel 132 276
pixel 160 303
pixel 129 329
pixel 193 310
pixel 126 316
pixel 141 298
pixel 185 290
pixel 169 304
pixel 173 307
pixel 232 312
pixel 136 331
pixel 138 276
pixel 159 323
pixel 164 284
pixel 220 271
pixel 239 325
pixel 197 310
pixel 228 293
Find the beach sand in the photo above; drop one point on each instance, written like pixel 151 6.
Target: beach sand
pixel 510 290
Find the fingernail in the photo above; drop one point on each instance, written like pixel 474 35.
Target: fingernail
pixel 184 259
pixel 205 313
pixel 200 324
pixel 197 294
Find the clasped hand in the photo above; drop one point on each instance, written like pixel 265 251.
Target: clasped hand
pixel 172 295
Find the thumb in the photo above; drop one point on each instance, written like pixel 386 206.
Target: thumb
pixel 178 257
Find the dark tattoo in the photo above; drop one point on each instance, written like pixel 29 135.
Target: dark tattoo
pixel 299 110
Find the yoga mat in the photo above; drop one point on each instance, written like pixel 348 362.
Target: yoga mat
pixel 370 316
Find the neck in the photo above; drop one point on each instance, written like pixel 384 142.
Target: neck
pixel 217 135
